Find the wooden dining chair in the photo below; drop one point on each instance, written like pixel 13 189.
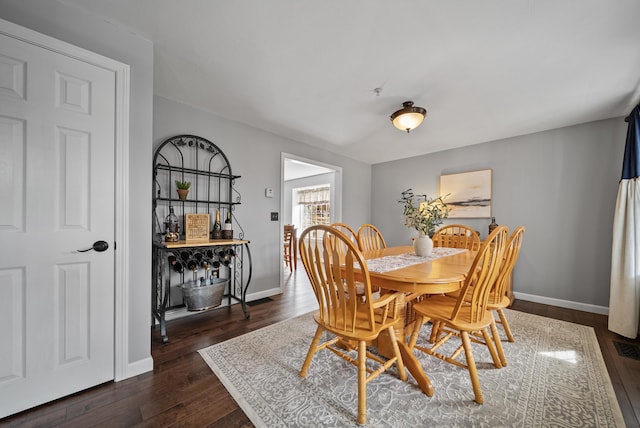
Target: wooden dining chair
pixel 370 238
pixel 347 230
pixel 499 298
pixel 456 236
pixel 462 319
pixel 452 236
pixel 348 317
pixel 289 249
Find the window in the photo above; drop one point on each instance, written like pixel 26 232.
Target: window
pixel 315 204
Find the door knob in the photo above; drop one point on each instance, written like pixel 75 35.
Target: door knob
pixel 98 246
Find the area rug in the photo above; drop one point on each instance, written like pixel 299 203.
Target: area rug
pixel 555 377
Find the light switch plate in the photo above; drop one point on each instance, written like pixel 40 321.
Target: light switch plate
pixel 268 192
pixel 274 216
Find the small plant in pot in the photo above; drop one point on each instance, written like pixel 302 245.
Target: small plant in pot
pixel 183 189
pixel 423 214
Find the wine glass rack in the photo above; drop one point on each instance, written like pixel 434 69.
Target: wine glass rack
pixel 177 263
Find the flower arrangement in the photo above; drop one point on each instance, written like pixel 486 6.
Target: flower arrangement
pixel 423 213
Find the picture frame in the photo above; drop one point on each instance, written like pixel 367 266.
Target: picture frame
pixel 468 194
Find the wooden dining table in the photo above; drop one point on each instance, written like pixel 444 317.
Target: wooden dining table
pixel 441 275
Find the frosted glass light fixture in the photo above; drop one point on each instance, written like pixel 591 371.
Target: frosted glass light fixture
pixel 408 117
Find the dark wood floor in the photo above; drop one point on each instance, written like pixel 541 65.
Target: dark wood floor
pixel 183 392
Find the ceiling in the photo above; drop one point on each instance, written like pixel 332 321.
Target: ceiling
pixel 294 169
pixel 308 70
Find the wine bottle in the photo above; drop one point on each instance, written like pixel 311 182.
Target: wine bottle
pixel 223 258
pixel 174 263
pixel 171 226
pixel 192 265
pixel 172 259
pixel 227 230
pixel 492 225
pixel 217 227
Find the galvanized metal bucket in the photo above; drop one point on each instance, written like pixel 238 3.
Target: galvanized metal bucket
pixel 199 298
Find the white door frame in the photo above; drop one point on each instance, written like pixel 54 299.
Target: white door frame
pixel 121 277
pixel 336 206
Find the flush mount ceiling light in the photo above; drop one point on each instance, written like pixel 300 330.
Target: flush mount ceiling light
pixel 408 117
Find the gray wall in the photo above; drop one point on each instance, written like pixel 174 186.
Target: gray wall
pixel 90 32
pixel 560 184
pixel 255 155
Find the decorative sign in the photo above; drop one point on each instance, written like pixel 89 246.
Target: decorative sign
pixel 197 227
pixel 469 194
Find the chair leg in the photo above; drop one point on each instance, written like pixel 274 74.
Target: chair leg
pixel 498 343
pixel 492 349
pixel 505 325
pixel 313 348
pixel 294 255
pixel 416 330
pixel 435 330
pixel 362 382
pixel 471 366
pixel 396 350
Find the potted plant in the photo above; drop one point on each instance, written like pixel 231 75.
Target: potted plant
pixel 423 214
pixel 183 189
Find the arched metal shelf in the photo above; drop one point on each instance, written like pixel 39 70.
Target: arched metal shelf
pixel 202 163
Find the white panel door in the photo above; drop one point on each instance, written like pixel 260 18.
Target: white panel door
pixel 56 196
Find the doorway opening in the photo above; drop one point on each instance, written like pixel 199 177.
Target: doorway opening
pixel 311 193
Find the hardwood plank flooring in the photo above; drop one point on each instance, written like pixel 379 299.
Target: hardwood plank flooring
pixel 183 392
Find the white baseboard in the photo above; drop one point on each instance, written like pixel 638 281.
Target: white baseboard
pixel 134 369
pixel 263 294
pixel 602 310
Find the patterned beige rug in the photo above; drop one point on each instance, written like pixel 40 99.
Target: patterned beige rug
pixel 556 377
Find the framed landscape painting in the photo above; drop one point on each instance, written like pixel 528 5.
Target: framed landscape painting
pixel 469 194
